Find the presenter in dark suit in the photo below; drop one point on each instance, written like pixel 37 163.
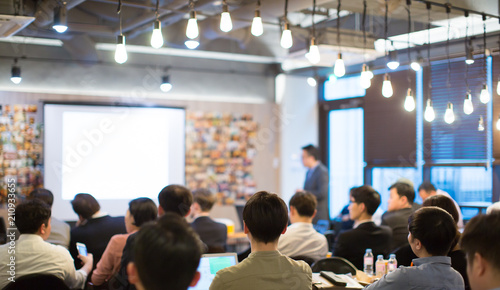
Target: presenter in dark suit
pixel 212 233
pixel 316 181
pixel 352 244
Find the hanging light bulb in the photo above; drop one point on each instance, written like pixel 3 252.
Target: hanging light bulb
pixel 339 69
pixel 484 97
pixel 387 87
pixel 191 43
pixel 409 102
pixel 225 20
pixel 429 114
pixel 416 65
pixel 286 37
pixel 313 55
pixel 156 37
pixel 257 27
pixel 312 81
pixel 498 123
pixel 15 76
pixel 480 127
pixel 498 86
pixel 165 86
pixel 120 52
pixel 60 19
pixel 366 76
pixel 449 116
pixel 393 62
pixel 468 108
pixel 192 31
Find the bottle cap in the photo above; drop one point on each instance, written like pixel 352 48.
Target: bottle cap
pixel 380 257
pixel 392 256
pixel 368 250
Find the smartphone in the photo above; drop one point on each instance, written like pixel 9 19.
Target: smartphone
pixel 82 249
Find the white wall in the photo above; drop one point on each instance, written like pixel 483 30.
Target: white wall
pixel 299 127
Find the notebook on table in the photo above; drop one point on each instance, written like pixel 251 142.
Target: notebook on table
pixel 209 265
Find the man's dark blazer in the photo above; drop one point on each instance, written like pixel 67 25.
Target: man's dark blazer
pixel 317 184
pixel 352 244
pixel 212 233
pixel 96 234
pixel 398 221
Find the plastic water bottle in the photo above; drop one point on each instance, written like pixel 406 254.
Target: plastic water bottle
pixel 392 265
pixel 368 262
pixel 380 266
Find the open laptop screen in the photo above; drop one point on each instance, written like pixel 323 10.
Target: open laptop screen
pixel 209 265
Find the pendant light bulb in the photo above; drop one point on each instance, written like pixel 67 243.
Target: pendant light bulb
pixel 449 116
pixel 409 102
pixel 339 69
pixel 226 24
pixel 286 37
pixel 192 30
pixel 480 127
pixel 313 55
pixel 120 52
pixel 468 107
pixel 387 87
pixel 365 78
pixel 257 27
pixel 429 114
pixel 311 81
pixel 484 97
pixel 157 37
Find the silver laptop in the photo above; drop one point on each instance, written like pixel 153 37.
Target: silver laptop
pixel 210 264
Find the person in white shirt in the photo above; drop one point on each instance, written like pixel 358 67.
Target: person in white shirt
pixel 32 255
pixel 301 239
pixel 426 189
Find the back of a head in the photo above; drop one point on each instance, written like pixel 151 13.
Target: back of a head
pixel 304 202
pixel 30 215
pixel 435 228
pixel 404 189
pixel 427 187
pixel 167 253
pixel 85 205
pixel 367 195
pixel 481 235
pixel 312 151
pixel 176 199
pixel 204 198
pixel 266 216
pixel 143 210
pixel 42 194
pixel 445 203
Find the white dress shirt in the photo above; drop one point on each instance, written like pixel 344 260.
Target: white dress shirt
pixel 34 255
pixel 301 239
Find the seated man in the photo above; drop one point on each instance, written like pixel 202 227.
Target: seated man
pixel 480 243
pixel 212 233
pixel 399 209
pixel 301 239
pixel 95 228
pixel 59 232
pixel 167 255
pixel 432 231
pixel 265 218
pixel 426 190
pixel 352 244
pixel 32 255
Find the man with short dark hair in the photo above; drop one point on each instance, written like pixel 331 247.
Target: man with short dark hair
pixel 427 189
pixel 32 255
pixel 265 218
pixel 59 233
pixel 480 243
pixel 167 255
pixel 432 231
pixel 352 244
pixel 399 209
pixel 301 239
pixel 212 233
pixel 316 181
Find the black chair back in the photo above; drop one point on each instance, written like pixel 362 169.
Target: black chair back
pixel 308 260
pixel 37 281
pixel 337 265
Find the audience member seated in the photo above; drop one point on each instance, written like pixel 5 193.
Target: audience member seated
pixel 212 233
pixel 265 218
pixel 352 244
pixel 493 207
pixel 94 227
pixel 399 209
pixel 432 231
pixel 344 219
pixel 480 243
pixel 32 255
pixel 140 211
pixel 175 199
pixel 167 255
pixel 301 239
pixel 426 190
pixel 59 233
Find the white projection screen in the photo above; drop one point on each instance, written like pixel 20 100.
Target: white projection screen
pixel 116 153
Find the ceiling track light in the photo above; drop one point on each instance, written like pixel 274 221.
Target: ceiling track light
pixel 393 62
pixel 192 30
pixel 226 24
pixel 165 86
pixel 257 27
pixel 15 76
pixel 60 19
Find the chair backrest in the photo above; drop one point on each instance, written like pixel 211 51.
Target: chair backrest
pixel 337 265
pixel 37 281
pixel 308 260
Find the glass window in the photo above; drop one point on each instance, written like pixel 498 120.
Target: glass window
pixel 343 88
pixel 384 177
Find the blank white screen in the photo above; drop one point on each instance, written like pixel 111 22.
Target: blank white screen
pixel 114 153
